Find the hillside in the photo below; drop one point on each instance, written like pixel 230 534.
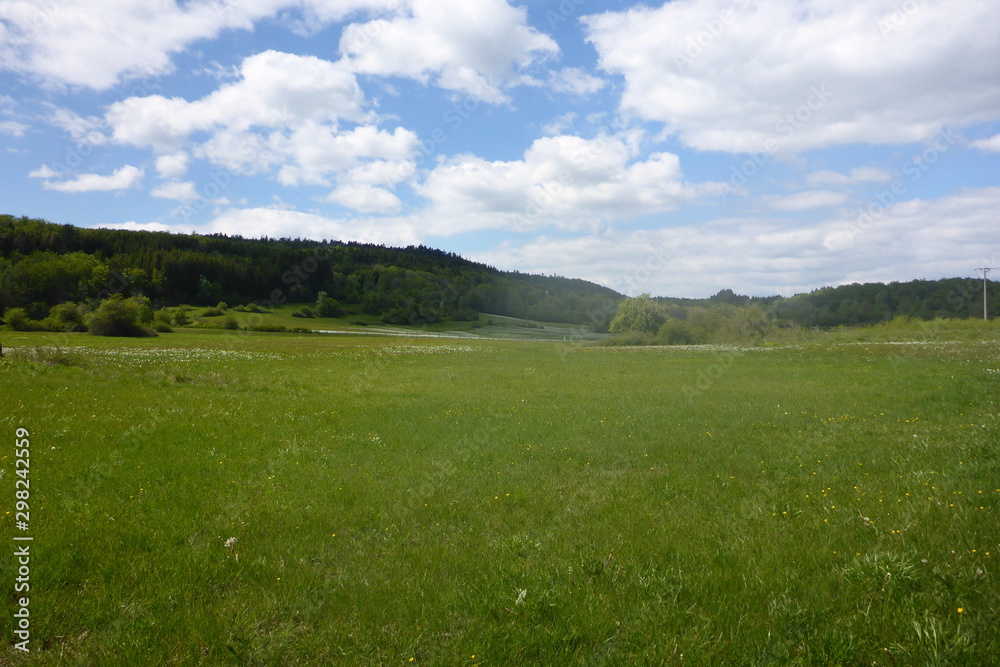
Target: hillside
pixel 43 264
pixel 861 304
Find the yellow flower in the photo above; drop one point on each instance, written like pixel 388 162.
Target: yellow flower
pixel 960 610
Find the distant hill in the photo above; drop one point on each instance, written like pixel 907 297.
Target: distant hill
pixel 869 303
pixel 43 264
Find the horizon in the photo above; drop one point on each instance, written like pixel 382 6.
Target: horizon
pixel 737 291
pixel 645 148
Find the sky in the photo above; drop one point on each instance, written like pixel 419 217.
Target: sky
pixel 673 148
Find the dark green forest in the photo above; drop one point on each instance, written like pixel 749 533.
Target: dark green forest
pixel 43 265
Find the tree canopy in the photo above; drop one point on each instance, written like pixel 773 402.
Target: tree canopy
pixel 639 314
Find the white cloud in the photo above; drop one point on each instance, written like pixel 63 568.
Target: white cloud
pixel 44 171
pixel 859 175
pixel 82 130
pixel 121 179
pixel 476 47
pixel 144 227
pixel 559 124
pixel 992 144
pixel 365 198
pixel 286 112
pixel 764 256
pixel 276 89
pixel 803 201
pixel 180 190
pixel 314 151
pixel 563 181
pixel 729 76
pixel 98 43
pixel 575 81
pixel 172 165
pixel 275 223
pixel 14 128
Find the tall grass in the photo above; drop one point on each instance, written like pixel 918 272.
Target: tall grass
pixel 215 497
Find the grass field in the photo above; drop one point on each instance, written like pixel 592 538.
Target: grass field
pixel 487 326
pixel 210 497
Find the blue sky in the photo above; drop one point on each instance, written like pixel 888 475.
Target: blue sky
pixel 676 148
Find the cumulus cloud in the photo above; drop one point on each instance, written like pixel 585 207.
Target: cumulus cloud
pixel 261 222
pixel 99 43
pixel 144 227
pixel 121 179
pixel 475 47
pixel 729 76
pixel 859 175
pixel 575 81
pixel 13 128
pixel 44 171
pixel 763 256
pixel 275 90
pixel 172 165
pixel 991 145
pixel 803 201
pixel 365 198
pixel 285 112
pixel 180 190
pixel 563 181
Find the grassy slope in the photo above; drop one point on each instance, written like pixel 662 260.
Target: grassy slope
pixel 522 504
pixel 488 326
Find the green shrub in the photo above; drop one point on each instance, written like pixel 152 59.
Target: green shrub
pixel 212 312
pixel 117 317
pixel 66 316
pixel 327 307
pixel 17 319
pixel 267 328
pixel 304 311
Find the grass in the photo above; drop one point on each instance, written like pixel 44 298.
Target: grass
pixel 215 497
pixel 488 326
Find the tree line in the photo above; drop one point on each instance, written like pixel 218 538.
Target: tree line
pixel 44 264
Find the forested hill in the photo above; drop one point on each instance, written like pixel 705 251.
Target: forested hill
pixel 858 304
pixel 43 264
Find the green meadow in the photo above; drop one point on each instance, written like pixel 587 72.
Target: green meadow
pixel 219 497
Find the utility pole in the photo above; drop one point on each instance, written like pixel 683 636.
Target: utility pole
pixel 985 270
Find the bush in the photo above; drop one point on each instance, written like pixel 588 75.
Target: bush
pixel 66 316
pixel 212 312
pixel 464 315
pixel 181 317
pixel 17 319
pixel 327 307
pixel 267 328
pixel 640 314
pixel 117 317
pixel 230 323
pixel 304 311
pixel 250 308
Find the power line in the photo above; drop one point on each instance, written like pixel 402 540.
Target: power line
pixel 985 270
